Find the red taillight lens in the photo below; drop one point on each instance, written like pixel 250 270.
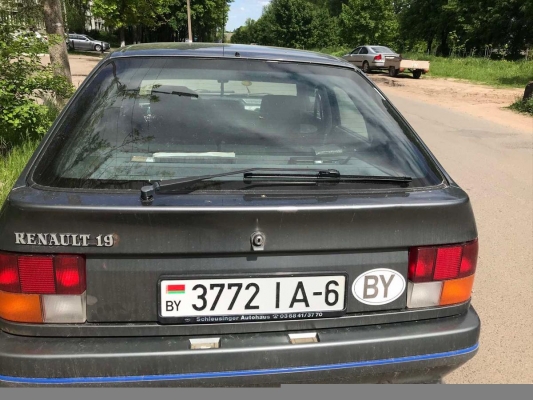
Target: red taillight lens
pixel 70 274
pixel 442 263
pixel 40 274
pixel 9 273
pixel 422 263
pixel 377 58
pixel 469 259
pixel 36 275
pixel 447 263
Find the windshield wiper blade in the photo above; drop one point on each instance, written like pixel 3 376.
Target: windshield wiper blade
pixel 275 175
pixel 187 94
pixel 330 175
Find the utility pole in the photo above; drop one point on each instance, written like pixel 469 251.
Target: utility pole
pixel 223 20
pixel 189 20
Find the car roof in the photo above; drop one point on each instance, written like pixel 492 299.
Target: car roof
pixel 227 50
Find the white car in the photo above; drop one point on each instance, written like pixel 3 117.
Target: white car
pixel 370 57
pixel 25 34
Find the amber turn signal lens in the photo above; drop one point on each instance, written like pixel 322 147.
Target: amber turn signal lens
pixel 456 290
pixel 20 307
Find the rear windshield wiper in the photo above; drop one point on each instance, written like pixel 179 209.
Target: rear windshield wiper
pixel 177 93
pixel 275 175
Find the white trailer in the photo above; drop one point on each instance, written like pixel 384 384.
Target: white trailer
pixel 395 65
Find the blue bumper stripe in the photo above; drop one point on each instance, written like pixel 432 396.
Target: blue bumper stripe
pixel 232 374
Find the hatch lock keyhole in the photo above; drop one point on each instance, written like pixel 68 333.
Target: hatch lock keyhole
pixel 258 241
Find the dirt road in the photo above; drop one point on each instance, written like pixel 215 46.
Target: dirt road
pixel 489 152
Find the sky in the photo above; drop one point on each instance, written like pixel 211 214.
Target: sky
pixel 241 10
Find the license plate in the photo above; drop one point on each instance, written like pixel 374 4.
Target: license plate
pixel 251 299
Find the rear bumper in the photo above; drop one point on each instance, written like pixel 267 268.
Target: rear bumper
pixel 402 352
pixel 377 64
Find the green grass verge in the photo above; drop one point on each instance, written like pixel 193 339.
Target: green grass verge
pixel 481 70
pixel 12 164
pixel 522 106
pixel 500 73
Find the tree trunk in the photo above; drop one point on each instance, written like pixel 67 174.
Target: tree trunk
pixel 122 40
pixel 429 45
pixel 53 21
pixel 134 34
pixel 528 92
pixel 444 50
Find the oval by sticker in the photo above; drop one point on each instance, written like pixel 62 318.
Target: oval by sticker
pixel 378 286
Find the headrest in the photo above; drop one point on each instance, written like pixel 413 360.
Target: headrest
pixel 279 106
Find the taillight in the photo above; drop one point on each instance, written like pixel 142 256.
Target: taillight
pixel 42 288
pixel 377 58
pixel 441 275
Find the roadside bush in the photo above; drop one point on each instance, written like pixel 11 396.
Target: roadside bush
pixel 523 106
pixel 28 89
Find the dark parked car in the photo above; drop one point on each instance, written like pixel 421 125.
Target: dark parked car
pixel 212 215
pixel 83 42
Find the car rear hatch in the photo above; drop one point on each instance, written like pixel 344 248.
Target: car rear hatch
pixel 81 254
pixel 182 238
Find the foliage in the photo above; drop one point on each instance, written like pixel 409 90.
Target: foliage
pixel 369 22
pixel 290 23
pixel 458 28
pixel 76 15
pixel 120 13
pixel 29 13
pixel 25 83
pixel 12 165
pixel 522 106
pixel 479 27
pixel 167 18
pixel 207 18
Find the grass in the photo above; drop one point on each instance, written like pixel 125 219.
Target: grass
pixel 481 70
pixel 499 73
pixel 12 164
pixel 15 153
pixel 522 106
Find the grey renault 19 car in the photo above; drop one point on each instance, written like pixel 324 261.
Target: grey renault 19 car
pixel 220 215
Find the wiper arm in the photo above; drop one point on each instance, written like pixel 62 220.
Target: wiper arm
pixel 147 192
pixel 285 175
pixel 188 94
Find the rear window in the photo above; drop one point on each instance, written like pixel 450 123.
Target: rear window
pixel 148 119
pixel 382 49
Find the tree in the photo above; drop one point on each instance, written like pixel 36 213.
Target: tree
pixel 53 19
pixel 245 34
pixel 165 19
pixel 368 22
pixel 290 23
pixel 471 25
pixel 122 13
pixel 76 14
pixel 333 6
pixel 23 78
